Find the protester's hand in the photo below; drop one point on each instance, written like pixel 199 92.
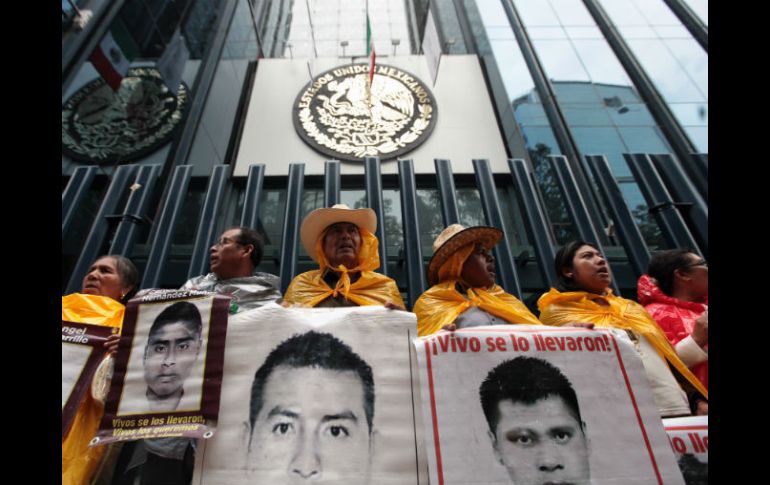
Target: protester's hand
pixel 589 326
pixel 700 333
pixel 111 344
pixel 702 408
pixel 392 306
pixel 451 327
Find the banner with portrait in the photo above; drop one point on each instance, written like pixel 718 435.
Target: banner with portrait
pixel 316 394
pixel 82 350
pixel 533 404
pixel 689 438
pixel 168 368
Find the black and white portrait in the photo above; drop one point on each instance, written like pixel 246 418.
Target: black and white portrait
pixel 165 368
pixel 533 405
pixel 316 396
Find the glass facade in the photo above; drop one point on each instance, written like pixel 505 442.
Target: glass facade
pixel 671 57
pixel 598 109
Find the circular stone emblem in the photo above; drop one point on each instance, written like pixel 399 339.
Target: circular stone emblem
pixel 338 115
pixel 103 126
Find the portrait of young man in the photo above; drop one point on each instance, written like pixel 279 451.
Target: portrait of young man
pixel 534 423
pixel 311 413
pixel 172 349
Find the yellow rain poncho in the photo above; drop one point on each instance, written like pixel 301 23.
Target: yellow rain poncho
pixel 441 304
pixel 370 289
pixel 559 309
pixel 78 461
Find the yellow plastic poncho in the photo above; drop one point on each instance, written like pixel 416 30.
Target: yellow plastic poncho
pixel 370 289
pixel 557 308
pixel 441 304
pixel 78 461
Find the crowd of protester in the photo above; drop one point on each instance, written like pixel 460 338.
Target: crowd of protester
pixel 668 326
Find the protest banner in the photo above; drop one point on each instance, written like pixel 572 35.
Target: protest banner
pixel 82 349
pixel 535 404
pixel 316 395
pixel 168 368
pixel 689 438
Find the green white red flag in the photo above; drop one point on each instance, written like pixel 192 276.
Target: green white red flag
pixel 112 57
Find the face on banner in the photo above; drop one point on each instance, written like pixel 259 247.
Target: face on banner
pixel 167 360
pixel 541 442
pixel 316 396
pixel 312 426
pixel 537 405
pixel 171 352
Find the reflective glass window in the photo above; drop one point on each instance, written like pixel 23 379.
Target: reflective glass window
pixel 602 108
pixel 676 63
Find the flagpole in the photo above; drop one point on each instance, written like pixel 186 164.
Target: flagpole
pixel 368 48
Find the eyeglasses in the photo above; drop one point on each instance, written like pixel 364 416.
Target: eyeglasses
pixel 225 241
pixel 700 262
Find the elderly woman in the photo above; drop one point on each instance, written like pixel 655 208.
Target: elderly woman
pixel 675 293
pixel 464 293
pixel 585 296
pixel 109 283
pixel 342 241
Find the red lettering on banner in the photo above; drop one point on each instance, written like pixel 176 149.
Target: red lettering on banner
pixel 697 443
pixel 520 344
pixel 496 343
pixel 678 444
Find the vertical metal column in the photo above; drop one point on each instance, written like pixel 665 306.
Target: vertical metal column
pixel 655 103
pixel 135 210
pixel 685 192
pixel 291 222
pixel 535 220
pixel 691 21
pixel 250 214
pixel 701 161
pixel 73 195
pixel 660 202
pixel 576 206
pixel 99 228
pixel 332 183
pixel 205 235
pixel 491 205
pixel 414 266
pixel 204 79
pixel 169 216
pixel 628 230
pixel 374 199
pixel 553 112
pixel 447 192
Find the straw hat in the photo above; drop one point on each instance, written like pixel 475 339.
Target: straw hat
pixel 317 221
pixel 455 237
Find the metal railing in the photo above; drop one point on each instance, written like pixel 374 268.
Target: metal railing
pixel 678 206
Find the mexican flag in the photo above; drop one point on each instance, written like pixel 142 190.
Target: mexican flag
pixel 113 55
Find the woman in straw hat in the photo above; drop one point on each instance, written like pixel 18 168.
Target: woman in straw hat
pixel 464 293
pixel 342 241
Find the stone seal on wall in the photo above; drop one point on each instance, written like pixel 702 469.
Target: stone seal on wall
pixel 102 126
pixel 340 115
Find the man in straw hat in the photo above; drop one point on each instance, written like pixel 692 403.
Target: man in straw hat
pixel 464 293
pixel 342 241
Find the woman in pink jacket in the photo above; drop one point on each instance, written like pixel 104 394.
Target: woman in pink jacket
pixel 675 292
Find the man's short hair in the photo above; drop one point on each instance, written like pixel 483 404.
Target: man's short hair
pixel 183 312
pixel 525 380
pixel 250 236
pixel 317 350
